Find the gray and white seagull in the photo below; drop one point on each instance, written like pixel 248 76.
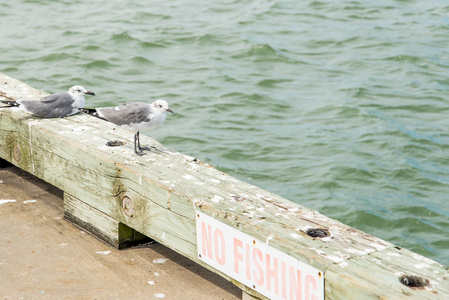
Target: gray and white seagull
pixel 134 116
pixel 58 105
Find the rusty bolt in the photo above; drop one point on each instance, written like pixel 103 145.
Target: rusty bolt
pixel 413 281
pixel 128 207
pixel 318 232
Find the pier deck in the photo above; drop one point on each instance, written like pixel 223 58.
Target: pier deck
pixel 42 256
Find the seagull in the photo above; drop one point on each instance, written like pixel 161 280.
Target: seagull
pixel 58 105
pixel 134 116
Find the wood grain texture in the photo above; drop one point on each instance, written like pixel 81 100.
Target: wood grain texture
pixel 165 189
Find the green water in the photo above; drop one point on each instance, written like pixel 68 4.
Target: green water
pixel 340 106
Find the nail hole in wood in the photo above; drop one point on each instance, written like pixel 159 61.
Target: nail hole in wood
pixel 318 232
pixel 413 281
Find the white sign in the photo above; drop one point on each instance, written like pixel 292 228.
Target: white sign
pixel 259 266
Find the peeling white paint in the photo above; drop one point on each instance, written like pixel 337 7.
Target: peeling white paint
pixel 188 177
pixel 394 254
pixel 343 264
pixel 103 252
pixel 217 199
pixel 378 246
pixel 422 265
pixel 81 128
pixel 104 148
pixel 215 180
pixel 295 236
pixel 370 250
pixel 249 214
pixel 377 261
pixel 355 251
pixel 151 282
pixel 425 259
pixel 335 259
pixel 131 162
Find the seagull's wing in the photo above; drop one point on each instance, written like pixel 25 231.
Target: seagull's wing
pixel 58 97
pixel 127 113
pixel 53 106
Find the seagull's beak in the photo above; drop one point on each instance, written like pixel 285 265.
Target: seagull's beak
pixel 170 110
pixel 90 93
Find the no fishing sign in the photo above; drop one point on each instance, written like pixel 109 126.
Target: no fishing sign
pixel 259 266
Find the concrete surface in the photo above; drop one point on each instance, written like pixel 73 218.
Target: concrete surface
pixel 42 256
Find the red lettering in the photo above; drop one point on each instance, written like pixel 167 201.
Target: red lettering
pixel 310 280
pixel 272 273
pixel 207 239
pixel 248 262
pixel 295 283
pixel 257 258
pixel 284 280
pixel 218 235
pixel 237 255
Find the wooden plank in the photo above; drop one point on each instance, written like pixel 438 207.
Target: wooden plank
pixel 378 276
pixel 104 227
pixel 159 194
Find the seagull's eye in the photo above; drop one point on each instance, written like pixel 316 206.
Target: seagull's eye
pixel 160 105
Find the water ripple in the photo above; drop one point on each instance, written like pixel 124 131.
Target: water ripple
pixel 286 95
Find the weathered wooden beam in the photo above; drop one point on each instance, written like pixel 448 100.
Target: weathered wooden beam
pixel 160 194
pixel 101 225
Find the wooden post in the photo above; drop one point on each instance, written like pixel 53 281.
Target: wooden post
pixel 115 195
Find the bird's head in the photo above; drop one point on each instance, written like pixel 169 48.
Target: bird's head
pixel 162 105
pixel 79 90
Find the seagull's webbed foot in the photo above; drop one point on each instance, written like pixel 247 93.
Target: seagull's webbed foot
pixel 140 152
pixel 139 149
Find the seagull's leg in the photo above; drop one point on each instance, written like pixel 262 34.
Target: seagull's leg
pixel 137 142
pixel 142 148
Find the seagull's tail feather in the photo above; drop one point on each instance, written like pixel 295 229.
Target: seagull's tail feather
pixel 92 112
pixel 10 103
